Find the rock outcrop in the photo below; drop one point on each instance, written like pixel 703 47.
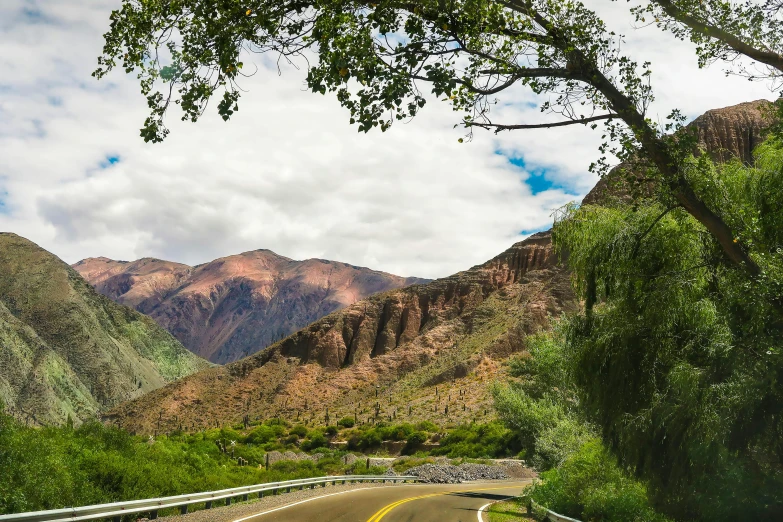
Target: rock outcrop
pixel 725 134
pixel 235 306
pixel 68 352
pixel 733 132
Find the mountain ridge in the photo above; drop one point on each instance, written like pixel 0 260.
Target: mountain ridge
pixel 235 305
pixel 450 333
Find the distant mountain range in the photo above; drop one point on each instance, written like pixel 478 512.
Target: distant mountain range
pixel 68 352
pixel 425 352
pixel 235 306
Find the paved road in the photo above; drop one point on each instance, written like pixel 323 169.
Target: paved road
pixel 408 503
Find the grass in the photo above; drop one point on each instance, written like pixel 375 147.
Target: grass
pixel 508 511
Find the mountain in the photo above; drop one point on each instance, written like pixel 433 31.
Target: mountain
pixel 68 352
pixel 235 306
pixel 422 347
pixel 426 352
pixel 725 134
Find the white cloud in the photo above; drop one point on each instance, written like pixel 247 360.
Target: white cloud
pixel 288 172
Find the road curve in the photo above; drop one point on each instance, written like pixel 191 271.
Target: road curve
pixel 404 503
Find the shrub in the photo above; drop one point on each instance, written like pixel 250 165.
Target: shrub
pixel 590 485
pixel 346 422
pixel 415 439
pixel 298 430
pixel 490 440
pixel 315 440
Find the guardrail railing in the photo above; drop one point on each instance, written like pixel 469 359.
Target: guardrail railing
pixel 548 513
pixel 115 511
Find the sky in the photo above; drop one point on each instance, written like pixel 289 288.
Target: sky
pixel 287 172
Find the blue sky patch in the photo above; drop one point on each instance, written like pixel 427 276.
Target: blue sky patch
pixel 533 231
pixel 109 161
pixel 3 206
pixel 537 179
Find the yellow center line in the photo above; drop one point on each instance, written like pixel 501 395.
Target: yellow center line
pixel 386 509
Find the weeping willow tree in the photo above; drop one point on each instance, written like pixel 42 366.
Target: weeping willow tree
pixel 678 357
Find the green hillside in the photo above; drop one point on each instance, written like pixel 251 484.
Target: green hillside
pixel 65 350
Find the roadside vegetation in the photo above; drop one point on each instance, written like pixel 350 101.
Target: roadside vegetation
pixel 48 468
pixel 661 399
pixel 54 467
pixel 513 510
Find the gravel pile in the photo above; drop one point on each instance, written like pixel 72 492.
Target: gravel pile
pixel 450 474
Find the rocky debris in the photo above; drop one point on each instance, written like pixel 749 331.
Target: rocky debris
pixel 516 468
pixel 450 474
pixel 274 456
pixel 350 459
pixel 385 462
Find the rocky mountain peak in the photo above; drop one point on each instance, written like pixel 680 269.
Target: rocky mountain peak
pixel 725 134
pixel 236 305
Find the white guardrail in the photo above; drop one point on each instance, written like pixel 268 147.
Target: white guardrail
pixel 117 510
pixel 549 514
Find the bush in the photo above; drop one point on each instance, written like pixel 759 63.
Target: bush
pixel 298 430
pixel 51 468
pixel 262 434
pixel 417 437
pixel 331 431
pixel 490 440
pixel 315 440
pixel 346 422
pixel 590 485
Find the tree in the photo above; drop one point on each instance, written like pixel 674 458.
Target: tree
pixel 724 30
pixel 677 357
pixel 468 51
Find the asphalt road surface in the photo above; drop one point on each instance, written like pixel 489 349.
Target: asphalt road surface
pixel 408 503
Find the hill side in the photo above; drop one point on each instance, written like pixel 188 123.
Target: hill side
pixel 421 352
pixel 235 306
pixel 65 350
